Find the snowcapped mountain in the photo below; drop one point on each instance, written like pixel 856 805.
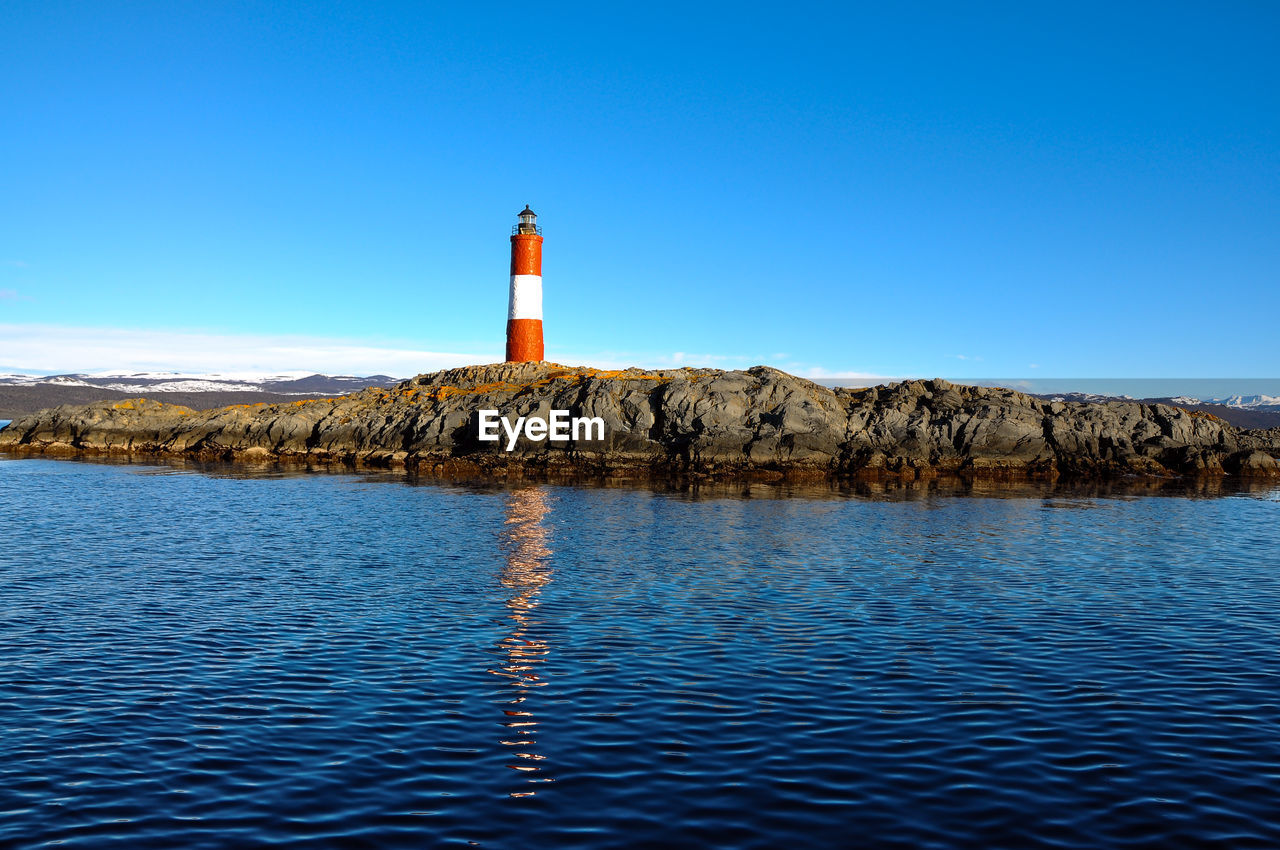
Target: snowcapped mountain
pixel 1249 402
pixel 1094 398
pixel 289 383
pixel 23 394
pixel 1252 411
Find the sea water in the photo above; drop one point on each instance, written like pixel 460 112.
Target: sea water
pixel 216 659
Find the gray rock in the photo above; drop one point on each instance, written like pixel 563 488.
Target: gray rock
pixel 758 423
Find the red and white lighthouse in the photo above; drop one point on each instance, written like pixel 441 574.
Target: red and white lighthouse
pixel 524 308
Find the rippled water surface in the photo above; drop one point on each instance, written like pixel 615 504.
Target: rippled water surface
pixel 203 660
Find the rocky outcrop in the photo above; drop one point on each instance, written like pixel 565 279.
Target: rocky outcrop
pixel 759 423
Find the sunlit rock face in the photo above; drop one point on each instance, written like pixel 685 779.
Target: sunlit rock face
pixel 759 423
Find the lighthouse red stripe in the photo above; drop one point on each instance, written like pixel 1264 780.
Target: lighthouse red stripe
pixel 524 340
pixel 526 254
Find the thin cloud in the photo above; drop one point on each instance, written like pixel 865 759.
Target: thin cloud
pixel 859 379
pixel 48 349
pixel 57 349
pixel 682 358
pixel 16 264
pixel 9 295
pixel 653 360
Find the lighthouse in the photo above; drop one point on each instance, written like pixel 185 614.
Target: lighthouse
pixel 524 306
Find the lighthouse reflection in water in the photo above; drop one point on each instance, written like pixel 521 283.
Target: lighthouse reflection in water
pixel 527 570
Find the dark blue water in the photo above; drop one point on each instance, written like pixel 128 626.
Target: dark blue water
pixel 201 660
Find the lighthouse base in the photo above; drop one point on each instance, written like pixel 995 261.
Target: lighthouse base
pixel 524 340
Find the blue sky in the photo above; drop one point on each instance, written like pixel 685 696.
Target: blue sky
pixel 892 189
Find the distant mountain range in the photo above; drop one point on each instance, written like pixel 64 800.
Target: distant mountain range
pixel 292 383
pixel 1243 411
pixel 1246 402
pixel 23 394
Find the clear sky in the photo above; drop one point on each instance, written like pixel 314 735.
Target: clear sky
pixel 1085 189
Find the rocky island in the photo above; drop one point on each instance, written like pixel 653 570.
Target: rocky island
pixel 758 424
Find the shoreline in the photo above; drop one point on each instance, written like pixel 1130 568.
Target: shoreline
pixel 758 425
pixel 820 487
pixel 501 472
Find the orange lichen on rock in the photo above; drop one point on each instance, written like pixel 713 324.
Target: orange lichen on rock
pixel 588 372
pixel 301 402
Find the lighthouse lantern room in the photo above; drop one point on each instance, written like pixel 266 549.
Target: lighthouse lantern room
pixel 524 306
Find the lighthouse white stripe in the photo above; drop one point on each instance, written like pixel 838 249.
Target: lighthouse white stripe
pixel 526 297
